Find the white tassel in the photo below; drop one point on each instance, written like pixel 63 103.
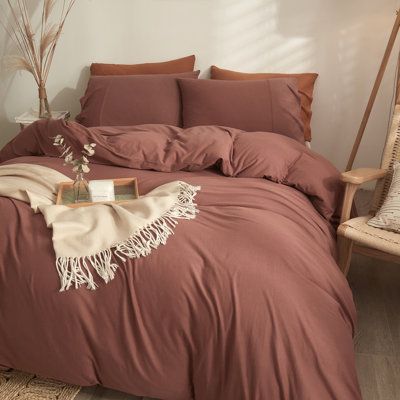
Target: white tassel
pixel 75 271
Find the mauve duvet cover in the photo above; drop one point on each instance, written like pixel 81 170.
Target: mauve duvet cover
pixel 245 302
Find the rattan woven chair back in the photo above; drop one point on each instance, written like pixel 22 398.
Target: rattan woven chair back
pixel 391 154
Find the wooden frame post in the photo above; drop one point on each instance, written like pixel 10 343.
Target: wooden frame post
pixel 377 84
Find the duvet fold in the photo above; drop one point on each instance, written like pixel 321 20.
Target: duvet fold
pixel 166 148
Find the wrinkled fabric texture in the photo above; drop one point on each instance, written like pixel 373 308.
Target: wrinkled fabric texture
pixel 246 302
pixel 167 149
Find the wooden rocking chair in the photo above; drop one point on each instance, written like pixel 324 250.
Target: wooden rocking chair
pixel 354 234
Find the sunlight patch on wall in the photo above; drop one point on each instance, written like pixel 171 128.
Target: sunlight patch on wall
pixel 248 37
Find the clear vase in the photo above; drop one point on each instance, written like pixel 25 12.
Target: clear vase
pixel 81 189
pixel 44 106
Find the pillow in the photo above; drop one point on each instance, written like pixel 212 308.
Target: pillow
pixel 388 217
pixel 180 65
pixel 132 100
pixel 305 84
pixel 269 105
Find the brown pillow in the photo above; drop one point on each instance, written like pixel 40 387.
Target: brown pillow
pixel 269 105
pixel 305 83
pixel 132 100
pixel 178 66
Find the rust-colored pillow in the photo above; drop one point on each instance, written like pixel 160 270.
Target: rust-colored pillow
pixel 268 105
pixel 305 83
pixel 133 100
pixel 180 65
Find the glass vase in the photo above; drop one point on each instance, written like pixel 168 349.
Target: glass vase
pixel 44 107
pixel 81 188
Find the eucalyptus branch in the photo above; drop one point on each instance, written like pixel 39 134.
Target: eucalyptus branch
pixel 79 164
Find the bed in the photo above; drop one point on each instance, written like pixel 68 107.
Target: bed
pixel 244 302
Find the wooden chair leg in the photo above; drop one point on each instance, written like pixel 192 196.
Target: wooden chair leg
pixel 345 247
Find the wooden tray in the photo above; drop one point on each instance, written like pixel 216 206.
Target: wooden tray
pixel 126 189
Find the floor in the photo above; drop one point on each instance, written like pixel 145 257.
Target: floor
pixel 376 288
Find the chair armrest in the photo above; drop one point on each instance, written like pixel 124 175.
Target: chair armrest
pixel 363 175
pixel 353 180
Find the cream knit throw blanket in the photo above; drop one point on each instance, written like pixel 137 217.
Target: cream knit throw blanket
pixel 86 238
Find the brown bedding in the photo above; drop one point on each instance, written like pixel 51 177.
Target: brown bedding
pixel 245 302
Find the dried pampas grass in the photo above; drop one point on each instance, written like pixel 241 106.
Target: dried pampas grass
pixel 47 8
pixel 36 48
pixel 18 63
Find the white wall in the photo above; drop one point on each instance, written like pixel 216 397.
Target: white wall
pixel 341 40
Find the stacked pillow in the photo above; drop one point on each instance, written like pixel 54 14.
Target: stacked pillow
pixel 133 100
pixel 185 64
pixel 267 105
pixel 305 84
pixel 170 93
pixel 119 94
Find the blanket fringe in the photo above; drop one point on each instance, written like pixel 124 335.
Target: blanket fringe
pixel 76 271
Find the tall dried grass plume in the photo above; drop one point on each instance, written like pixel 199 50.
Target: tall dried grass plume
pixel 36 47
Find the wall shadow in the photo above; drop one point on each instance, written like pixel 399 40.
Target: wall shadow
pixel 68 98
